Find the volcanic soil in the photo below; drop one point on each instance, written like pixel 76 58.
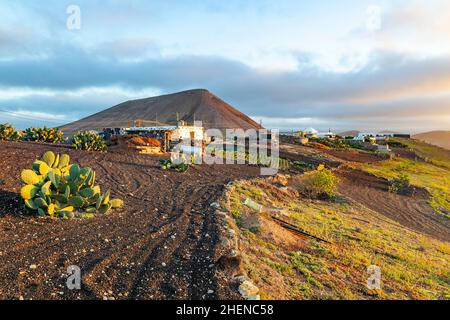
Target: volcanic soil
pixel 162 245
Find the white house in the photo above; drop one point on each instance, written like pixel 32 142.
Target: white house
pixel 308 132
pixel 171 135
pixel 377 136
pixel 328 134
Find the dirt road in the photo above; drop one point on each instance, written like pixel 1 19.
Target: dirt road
pixel 161 246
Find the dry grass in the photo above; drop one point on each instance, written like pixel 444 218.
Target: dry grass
pixel 413 265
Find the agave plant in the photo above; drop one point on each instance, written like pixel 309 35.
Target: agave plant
pixel 56 188
pixel 89 141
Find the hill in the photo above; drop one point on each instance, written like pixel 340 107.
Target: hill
pixel 353 133
pixel 437 138
pixel 199 104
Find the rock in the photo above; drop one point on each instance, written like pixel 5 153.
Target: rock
pixel 33 266
pixel 247 289
pixel 215 205
pixel 253 205
pixel 221 214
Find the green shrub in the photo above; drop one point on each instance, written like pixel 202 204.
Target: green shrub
pixel 54 187
pixel 321 183
pixel 89 141
pixel 401 184
pixel 49 135
pixel 8 133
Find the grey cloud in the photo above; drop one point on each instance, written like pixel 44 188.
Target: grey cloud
pixel 390 85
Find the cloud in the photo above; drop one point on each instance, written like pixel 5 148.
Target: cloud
pixel 389 85
pixel 130 48
pixel 396 76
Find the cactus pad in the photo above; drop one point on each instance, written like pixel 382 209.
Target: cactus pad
pixel 56 188
pixel 30 177
pixel 49 158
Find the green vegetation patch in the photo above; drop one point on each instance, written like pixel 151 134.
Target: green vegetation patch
pixel 430 153
pixel 436 179
pixel 413 266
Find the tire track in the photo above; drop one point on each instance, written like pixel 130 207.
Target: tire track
pixel 167 219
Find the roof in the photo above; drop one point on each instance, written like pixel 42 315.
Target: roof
pixel 310 130
pixel 159 128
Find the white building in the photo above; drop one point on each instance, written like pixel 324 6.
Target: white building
pixel 308 132
pixel 170 135
pixel 377 136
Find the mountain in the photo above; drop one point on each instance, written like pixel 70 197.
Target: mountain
pixel 353 133
pixel 437 138
pixel 198 104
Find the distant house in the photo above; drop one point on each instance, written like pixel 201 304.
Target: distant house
pixel 363 136
pixel 170 135
pixel 329 135
pixel 308 133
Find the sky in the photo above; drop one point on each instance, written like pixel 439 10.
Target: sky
pixel 340 65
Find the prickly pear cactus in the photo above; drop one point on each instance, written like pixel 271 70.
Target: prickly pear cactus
pixel 56 188
pixel 89 141
pixel 8 133
pixel 49 135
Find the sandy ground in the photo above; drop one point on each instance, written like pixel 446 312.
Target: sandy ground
pixel 161 246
